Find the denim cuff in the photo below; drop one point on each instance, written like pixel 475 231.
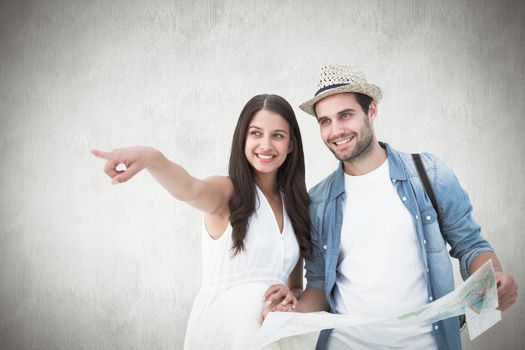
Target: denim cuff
pixel 467 261
pixel 315 283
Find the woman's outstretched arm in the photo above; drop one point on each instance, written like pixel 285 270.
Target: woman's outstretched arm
pixel 210 195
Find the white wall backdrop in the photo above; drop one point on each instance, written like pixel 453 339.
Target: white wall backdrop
pixel 87 265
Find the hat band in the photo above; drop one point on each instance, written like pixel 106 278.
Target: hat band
pixel 328 88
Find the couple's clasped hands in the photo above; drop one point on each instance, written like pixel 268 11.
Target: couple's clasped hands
pixel 278 297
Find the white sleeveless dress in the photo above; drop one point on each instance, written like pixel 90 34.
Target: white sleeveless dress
pixel 227 311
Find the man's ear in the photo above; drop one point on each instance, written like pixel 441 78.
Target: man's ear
pixel 372 110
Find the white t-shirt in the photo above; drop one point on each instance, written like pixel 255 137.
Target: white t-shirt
pixel 379 274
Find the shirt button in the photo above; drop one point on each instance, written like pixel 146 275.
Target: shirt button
pixel 430 298
pixel 424 241
pixel 404 199
pixel 324 247
pixel 436 327
pixel 428 270
pixel 428 217
pixel 394 180
pixel 417 217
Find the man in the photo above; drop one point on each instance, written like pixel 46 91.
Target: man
pixel 378 249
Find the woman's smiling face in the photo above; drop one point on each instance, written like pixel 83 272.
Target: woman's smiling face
pixel 267 142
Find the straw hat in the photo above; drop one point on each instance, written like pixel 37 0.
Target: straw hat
pixel 336 79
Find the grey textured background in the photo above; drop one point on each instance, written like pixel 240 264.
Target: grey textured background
pixel 87 265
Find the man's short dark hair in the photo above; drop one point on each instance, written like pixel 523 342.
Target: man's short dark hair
pixel 363 100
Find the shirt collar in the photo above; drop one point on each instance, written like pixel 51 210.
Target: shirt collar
pixel 395 165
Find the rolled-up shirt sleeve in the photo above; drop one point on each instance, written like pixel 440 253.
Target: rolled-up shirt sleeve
pixel 459 229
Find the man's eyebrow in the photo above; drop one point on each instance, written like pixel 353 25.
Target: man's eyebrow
pixel 346 111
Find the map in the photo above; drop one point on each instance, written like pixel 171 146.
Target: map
pixel 476 297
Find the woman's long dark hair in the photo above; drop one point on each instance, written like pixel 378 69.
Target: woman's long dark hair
pixel 290 176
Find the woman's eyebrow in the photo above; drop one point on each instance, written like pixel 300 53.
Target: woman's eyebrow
pixel 276 130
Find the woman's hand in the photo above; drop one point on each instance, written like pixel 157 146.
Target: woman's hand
pixel 211 195
pixel 279 297
pixel 134 159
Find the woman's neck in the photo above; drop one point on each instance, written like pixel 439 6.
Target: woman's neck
pixel 267 183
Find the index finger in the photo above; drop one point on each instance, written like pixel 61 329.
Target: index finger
pixel 101 154
pixel 271 290
pixel 289 299
pixel 278 296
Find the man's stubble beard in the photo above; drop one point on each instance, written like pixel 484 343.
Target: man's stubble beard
pixel 363 147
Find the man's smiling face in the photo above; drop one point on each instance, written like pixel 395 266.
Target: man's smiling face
pixel 345 128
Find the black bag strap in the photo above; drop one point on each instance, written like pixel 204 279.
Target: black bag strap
pixel 430 193
pixel 426 184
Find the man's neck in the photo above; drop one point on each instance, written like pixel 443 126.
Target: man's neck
pixel 372 161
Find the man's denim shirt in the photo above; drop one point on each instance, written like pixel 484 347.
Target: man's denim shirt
pixel 460 231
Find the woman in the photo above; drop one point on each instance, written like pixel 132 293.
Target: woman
pixel 256 224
